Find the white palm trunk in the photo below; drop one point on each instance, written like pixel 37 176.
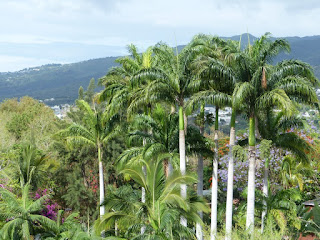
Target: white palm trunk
pixel 265 193
pixel 101 185
pixel 170 168
pixel 229 204
pixel 143 190
pixel 214 189
pixel 199 232
pixel 182 153
pixel 101 188
pixel 251 189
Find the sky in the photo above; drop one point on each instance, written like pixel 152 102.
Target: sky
pixel 37 32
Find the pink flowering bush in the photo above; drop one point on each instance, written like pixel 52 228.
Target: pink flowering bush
pixel 51 208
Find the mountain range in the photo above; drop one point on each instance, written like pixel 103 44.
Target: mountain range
pixel 59 83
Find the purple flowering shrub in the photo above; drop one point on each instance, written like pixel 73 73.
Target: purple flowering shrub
pixel 276 157
pixel 51 208
pixel 240 176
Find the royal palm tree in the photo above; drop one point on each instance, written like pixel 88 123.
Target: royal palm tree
pixel 216 81
pixel 163 205
pixel 96 129
pixel 265 149
pixel 265 87
pixel 123 93
pixel 170 83
pixel 22 215
pixel 274 129
pixel 120 92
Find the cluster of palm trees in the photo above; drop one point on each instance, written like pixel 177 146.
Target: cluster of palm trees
pixel 153 92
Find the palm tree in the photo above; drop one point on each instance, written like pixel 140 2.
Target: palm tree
pixel 170 83
pixel 157 132
pixel 266 87
pixel 96 130
pixel 31 165
pixel 120 92
pixel 274 127
pixel 293 170
pixel 281 207
pixel 163 205
pixel 22 215
pixel 216 83
pixel 162 140
pixel 265 148
pixel 67 228
pixel 62 226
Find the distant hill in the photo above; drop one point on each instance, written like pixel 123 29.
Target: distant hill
pixel 62 81
pixel 58 81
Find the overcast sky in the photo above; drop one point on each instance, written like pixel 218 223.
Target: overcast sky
pixel 36 32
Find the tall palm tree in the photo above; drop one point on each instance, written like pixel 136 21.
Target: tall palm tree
pixel 273 128
pixel 171 84
pixel 96 129
pixel 216 83
pixel 22 214
pixel 123 93
pixel 120 92
pixel 265 87
pixel 163 205
pixel 265 149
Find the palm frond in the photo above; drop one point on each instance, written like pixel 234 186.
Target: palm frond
pixel 275 98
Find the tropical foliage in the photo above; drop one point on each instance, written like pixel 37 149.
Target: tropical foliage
pixel 138 159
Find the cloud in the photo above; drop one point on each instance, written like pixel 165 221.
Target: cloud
pixel 15 63
pixel 145 22
pixel 98 20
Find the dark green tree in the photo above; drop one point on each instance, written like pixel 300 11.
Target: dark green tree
pixel 81 93
pixel 89 94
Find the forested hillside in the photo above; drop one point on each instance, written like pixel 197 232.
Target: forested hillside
pixel 58 81
pixel 62 81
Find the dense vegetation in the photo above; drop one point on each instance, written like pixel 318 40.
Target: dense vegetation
pixel 133 161
pixel 61 81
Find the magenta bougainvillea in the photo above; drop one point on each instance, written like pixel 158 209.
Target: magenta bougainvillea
pixel 51 208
